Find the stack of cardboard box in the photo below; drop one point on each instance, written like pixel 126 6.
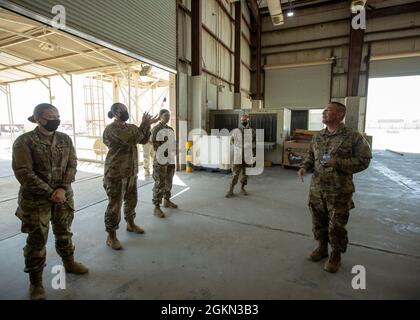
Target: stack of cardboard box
pixel 296 149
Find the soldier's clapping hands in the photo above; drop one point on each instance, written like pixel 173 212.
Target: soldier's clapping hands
pixel 149 119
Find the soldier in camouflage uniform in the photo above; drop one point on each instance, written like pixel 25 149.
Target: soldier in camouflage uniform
pixel 239 166
pixel 336 153
pixel 121 168
pixel 164 163
pixel 44 163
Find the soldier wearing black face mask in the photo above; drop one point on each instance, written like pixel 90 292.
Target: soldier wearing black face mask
pixel 121 168
pixel 241 161
pixel 44 163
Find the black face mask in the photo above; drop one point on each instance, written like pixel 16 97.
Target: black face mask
pixel 124 115
pixel 52 125
pixel 244 123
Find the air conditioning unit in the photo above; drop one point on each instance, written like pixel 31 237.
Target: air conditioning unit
pixel 276 13
pixel 277 20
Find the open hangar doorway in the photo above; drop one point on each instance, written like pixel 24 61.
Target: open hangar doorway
pixel 41 64
pixel 393 121
pixel 393 104
pixel 82 79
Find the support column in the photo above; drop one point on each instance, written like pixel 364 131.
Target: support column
pixel 237 58
pixel 72 111
pixel 50 91
pixel 356 105
pixel 256 55
pixel 115 90
pixel 172 98
pixel 356 113
pixel 196 68
pixel 355 60
pixel 197 103
pixel 129 92
pixel 196 37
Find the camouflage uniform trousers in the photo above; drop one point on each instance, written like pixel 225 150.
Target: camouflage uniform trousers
pixel 237 170
pixel 148 154
pixel 330 214
pixel 36 217
pixel 163 175
pixel 118 191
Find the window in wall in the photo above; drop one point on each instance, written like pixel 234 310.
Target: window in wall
pixel 315 120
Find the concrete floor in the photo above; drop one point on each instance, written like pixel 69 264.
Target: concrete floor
pixel 241 248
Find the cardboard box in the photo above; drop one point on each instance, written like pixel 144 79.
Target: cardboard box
pixel 294 152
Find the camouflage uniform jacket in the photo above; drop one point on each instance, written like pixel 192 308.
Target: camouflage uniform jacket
pixel 41 165
pixel 352 153
pixel 122 157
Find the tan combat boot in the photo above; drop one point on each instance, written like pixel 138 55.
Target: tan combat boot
pixel 243 191
pixel 229 194
pixel 132 227
pixel 169 204
pixel 75 267
pixel 147 173
pixel 334 262
pixel 112 241
pixel 320 252
pixel 36 289
pixel 158 213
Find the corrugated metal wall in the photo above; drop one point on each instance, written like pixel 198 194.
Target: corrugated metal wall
pixel 218 60
pixel 145 28
pixel 298 87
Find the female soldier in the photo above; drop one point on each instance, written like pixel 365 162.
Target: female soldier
pixel 164 163
pixel 44 163
pixel 121 168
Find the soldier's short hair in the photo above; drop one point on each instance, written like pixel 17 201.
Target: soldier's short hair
pixel 39 110
pixel 341 107
pixel 162 112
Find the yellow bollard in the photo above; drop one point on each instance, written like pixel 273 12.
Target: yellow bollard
pixel 189 166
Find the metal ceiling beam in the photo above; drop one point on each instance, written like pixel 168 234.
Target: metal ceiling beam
pixel 393 10
pixel 29 59
pixel 64 48
pixel 37 32
pixel 41 61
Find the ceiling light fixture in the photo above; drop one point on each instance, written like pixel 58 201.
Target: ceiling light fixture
pixel 290 13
